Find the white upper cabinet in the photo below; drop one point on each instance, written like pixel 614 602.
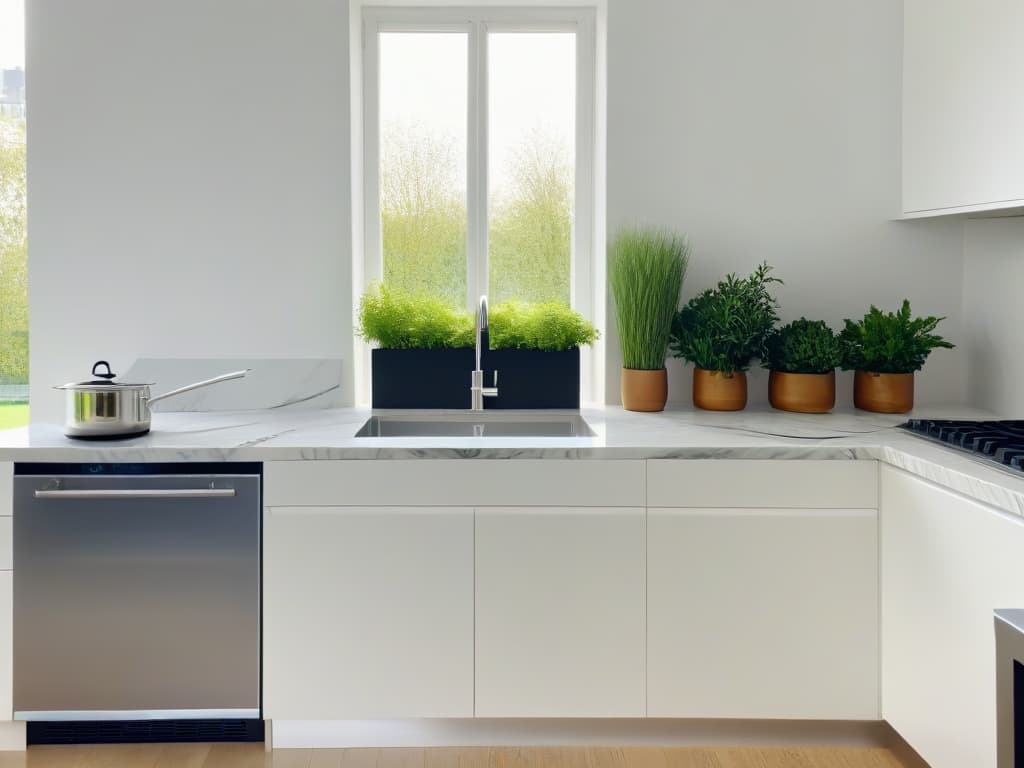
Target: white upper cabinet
pixel 963 106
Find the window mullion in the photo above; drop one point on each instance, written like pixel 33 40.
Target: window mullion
pixel 476 166
pixel 373 264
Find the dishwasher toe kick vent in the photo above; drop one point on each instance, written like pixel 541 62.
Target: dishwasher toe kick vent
pixel 140 731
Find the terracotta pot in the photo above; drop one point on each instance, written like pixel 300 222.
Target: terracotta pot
pixel 719 390
pixel 883 392
pixel 802 392
pixel 644 390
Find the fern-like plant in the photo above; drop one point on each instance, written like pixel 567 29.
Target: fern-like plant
pixel 394 319
pixel 549 326
pixel 646 268
pixel 890 342
pixel 803 346
pixel 724 328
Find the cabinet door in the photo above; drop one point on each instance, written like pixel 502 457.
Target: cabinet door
pixel 6 645
pixel 947 564
pixel 560 612
pixel 762 613
pixel 368 613
pixel 6 590
pixel 963 115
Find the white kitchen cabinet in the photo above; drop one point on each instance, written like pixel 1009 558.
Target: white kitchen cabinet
pixel 368 612
pixel 456 483
pixel 963 115
pixel 6 543
pixel 6 489
pixel 762 613
pixel 772 483
pixel 560 612
pixel 6 590
pixel 947 563
pixel 6 645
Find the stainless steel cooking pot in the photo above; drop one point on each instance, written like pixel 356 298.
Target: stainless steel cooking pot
pixel 104 408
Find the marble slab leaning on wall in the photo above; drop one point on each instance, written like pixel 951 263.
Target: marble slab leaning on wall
pixel 299 383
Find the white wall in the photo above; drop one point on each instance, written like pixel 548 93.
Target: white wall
pixel 772 131
pixel 188 182
pixel 994 314
pixel 189 171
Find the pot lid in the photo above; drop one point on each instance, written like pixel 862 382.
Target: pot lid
pixel 103 380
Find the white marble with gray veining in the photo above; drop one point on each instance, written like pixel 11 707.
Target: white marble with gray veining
pixel 293 383
pixel 294 435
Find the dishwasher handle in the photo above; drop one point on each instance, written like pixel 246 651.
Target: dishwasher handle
pixel 142 493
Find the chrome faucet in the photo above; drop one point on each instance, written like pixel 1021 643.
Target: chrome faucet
pixel 476 387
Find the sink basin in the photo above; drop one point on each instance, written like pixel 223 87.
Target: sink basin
pixel 507 424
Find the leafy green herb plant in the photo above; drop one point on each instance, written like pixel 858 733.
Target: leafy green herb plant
pixel 803 346
pixel 646 267
pixel 724 328
pixel 890 342
pixel 395 319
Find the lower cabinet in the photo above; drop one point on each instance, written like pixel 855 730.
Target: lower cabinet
pixel 572 611
pixel 6 645
pixel 6 590
pixel 560 612
pixel 762 613
pixel 947 563
pixel 368 612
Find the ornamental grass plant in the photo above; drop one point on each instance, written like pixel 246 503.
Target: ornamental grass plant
pixel 646 268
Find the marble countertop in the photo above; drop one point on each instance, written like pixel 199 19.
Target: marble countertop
pixel 683 433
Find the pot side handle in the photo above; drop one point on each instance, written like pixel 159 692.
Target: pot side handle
pixel 198 384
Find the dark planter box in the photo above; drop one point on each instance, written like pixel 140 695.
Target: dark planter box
pixel 440 378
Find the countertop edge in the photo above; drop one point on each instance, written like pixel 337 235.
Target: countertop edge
pixel 681 435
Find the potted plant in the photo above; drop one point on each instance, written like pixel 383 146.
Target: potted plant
pixel 424 351
pixel 885 349
pixel 720 331
pixel 803 357
pixel 646 267
pixel 536 346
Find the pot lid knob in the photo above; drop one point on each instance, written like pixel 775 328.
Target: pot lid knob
pixel 108 375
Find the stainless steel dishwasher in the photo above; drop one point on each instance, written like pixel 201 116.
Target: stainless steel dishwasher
pixel 137 601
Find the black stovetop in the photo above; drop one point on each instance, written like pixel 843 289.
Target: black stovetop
pixel 998 441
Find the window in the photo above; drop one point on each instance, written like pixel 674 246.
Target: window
pixel 478 152
pixel 13 231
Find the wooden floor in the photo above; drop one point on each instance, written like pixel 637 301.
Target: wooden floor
pixel 253 756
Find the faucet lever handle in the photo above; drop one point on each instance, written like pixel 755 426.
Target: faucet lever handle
pixel 489 391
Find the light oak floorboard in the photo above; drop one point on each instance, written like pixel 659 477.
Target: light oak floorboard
pixel 253 756
pixel 319 758
pixel 457 757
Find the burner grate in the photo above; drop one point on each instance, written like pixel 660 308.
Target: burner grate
pixel 999 441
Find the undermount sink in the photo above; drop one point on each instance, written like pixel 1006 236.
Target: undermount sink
pixel 476 424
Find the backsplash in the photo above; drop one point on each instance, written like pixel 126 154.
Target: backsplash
pixel 993 315
pixel 297 383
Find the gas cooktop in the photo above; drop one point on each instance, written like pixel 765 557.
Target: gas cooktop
pixel 1001 442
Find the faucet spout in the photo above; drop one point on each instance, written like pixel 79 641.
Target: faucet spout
pixel 482 327
pixel 476 387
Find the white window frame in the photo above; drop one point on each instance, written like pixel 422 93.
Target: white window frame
pixel 478 21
